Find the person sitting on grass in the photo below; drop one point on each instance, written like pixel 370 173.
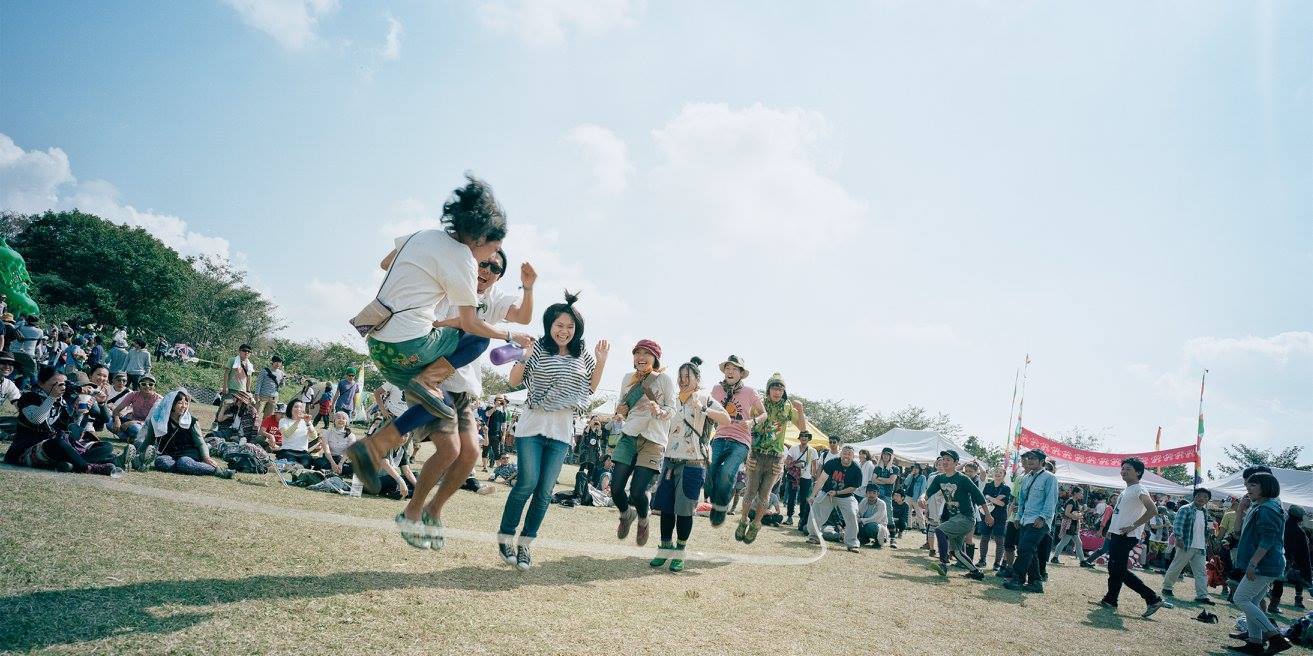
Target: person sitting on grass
pixel 139 404
pixel 42 439
pixel 333 442
pixel 398 481
pixel 900 511
pixel 173 443
pixel 271 436
pixel 505 470
pixel 297 431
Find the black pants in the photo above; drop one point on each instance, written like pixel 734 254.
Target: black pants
pixel 639 478
pixel 1119 553
pixel 798 495
pixel 1025 568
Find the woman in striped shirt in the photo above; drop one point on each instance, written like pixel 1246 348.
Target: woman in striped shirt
pixel 560 376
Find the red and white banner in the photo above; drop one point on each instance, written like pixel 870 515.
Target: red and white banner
pixel 1060 451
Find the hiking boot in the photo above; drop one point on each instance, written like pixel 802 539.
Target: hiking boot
pixel 1036 587
pixel 1277 644
pixel 750 535
pixel 980 563
pixel 1012 585
pixel 640 536
pixel 717 517
pixel 1205 601
pixel 506 552
pixel 1255 648
pixel 626 520
pixel 127 457
pixel 662 556
pixel 522 558
pixel 424 388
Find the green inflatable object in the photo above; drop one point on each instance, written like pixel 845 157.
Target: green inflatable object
pixel 14 281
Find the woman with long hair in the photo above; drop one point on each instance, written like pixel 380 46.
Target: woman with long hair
pixel 687 453
pixel 560 375
pixel 173 442
pixel 648 402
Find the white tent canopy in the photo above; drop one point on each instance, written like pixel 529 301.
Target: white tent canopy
pixel 1074 473
pixel 1296 486
pixel 921 446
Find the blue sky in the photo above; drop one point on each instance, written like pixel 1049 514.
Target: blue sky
pixel 888 202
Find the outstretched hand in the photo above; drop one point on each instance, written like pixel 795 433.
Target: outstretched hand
pixel 603 348
pixel 527 275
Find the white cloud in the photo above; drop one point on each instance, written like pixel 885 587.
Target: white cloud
pixel 756 174
pixel 1279 348
pixel 608 155
pixel 34 181
pixel 392 45
pixel 546 22
pixel 292 23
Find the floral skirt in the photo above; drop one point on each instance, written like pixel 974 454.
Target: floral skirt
pixel 400 362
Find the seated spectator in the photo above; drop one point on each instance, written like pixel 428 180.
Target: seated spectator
pixel 505 470
pixel 400 480
pixel 138 404
pixel 173 442
pixel 236 419
pixel 297 432
pixel 333 442
pixel 101 414
pixel 271 436
pixel 9 391
pixel 872 519
pixel 41 438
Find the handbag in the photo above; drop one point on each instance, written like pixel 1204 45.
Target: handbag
pixel 377 314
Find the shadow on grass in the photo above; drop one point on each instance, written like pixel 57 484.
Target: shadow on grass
pixel 1104 618
pixel 41 619
pixel 1000 593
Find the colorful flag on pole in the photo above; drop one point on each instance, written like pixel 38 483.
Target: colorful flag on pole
pixel 1025 369
pixel 1199 439
pixel 1158 445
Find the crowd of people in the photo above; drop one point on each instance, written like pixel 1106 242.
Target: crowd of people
pixel 672 447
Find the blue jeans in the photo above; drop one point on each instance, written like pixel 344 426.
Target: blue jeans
pixel 184 465
pixel 726 458
pixel 540 459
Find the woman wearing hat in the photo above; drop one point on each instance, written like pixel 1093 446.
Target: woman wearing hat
pixel 766 461
pixel 647 403
pixel 729 448
pixel 687 453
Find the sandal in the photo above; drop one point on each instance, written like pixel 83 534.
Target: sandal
pixel 433 531
pixel 751 535
pixel 741 531
pixel 412 532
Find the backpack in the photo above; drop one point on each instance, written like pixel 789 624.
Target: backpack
pixel 248 459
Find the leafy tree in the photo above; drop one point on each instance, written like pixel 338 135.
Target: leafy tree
pixel 494 382
pixel 991 454
pixel 1079 438
pixel 835 418
pixel 1177 474
pixel 1242 456
pixel 912 418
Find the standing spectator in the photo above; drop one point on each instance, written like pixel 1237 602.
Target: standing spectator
pixel 161 348
pixel 885 476
pixel 118 358
pixel 998 494
pixel 913 488
pixel 307 393
pixel 1262 554
pixel 588 451
pixel 344 397
pixel 1073 510
pixel 237 378
pixel 1299 569
pixel 1132 513
pixel 267 386
pixel 800 466
pixel 1191 526
pixel 868 469
pixel 11 334
pixel 138 363
pixel 121 335
pixel 496 428
pixel 324 404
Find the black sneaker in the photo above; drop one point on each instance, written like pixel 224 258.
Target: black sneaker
pixel 1086 563
pixel 976 575
pixel 506 552
pixel 1153 608
pixel 522 558
pixel 1037 588
pixel 1205 601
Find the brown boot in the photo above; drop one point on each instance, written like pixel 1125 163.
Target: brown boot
pixel 424 388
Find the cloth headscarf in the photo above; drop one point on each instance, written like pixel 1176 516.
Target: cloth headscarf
pixel 159 415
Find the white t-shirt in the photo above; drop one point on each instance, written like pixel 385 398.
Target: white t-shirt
pixel 1129 508
pixel 432 267
pixel 868 471
pixel 9 391
pixel 555 424
pixel 806 459
pixel 337 440
pixel 1198 541
pixel 298 440
pixel 494 305
pixel 241 372
pixel 392 400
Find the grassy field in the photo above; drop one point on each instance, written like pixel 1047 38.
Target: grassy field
pixel 160 563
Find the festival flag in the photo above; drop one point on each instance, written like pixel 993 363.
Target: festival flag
pixel 1025 370
pixel 1158 445
pixel 1199 438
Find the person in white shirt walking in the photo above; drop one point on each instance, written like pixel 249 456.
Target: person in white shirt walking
pixel 1134 509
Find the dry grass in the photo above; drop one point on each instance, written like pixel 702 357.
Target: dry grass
pixel 89 570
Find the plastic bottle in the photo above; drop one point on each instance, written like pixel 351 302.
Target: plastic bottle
pixel 356 486
pixel 506 353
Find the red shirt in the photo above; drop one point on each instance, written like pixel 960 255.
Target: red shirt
pixel 270 426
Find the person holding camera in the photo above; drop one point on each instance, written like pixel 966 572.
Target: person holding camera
pixel 42 438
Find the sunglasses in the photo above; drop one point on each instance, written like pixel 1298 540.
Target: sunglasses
pixel 490 266
pixel 148 384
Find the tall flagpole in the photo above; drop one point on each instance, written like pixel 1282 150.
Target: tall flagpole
pixel 1158 446
pixel 1009 454
pixel 1025 370
pixel 1199 439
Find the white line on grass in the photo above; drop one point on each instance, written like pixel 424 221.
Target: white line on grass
pixel 207 501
